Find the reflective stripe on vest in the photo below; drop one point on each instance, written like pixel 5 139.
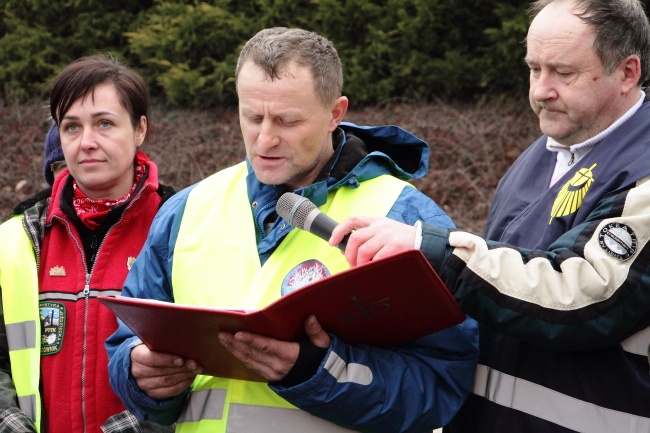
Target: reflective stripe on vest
pixel 250 418
pixel 222 245
pixel 19 283
pixel 550 405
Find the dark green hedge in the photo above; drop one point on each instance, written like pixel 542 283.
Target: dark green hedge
pixel 415 50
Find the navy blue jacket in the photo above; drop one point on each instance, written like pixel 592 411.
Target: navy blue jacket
pixel 561 287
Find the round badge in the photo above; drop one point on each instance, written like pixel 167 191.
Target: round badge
pixel 618 240
pixel 305 273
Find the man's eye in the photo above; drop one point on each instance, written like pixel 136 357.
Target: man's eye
pixel 288 122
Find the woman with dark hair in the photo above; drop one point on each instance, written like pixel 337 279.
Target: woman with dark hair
pixel 62 252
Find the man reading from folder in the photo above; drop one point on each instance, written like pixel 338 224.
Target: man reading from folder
pixel 220 243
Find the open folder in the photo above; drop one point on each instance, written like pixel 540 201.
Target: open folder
pixel 383 303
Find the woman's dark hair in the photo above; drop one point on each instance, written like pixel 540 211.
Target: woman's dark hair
pixel 80 78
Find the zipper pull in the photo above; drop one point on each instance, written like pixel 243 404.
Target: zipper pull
pixel 87 286
pixel 573 156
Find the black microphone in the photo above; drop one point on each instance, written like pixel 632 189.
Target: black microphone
pixel 302 213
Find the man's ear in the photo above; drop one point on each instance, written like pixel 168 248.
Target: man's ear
pixel 631 69
pixel 339 108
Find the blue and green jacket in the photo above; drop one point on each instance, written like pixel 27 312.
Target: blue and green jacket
pixel 416 387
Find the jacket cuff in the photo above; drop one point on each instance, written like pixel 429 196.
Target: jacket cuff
pixel 434 244
pixel 304 392
pixel 310 357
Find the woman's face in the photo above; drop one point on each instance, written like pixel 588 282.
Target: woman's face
pixel 99 143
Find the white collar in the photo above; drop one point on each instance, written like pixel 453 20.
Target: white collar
pixel 579 150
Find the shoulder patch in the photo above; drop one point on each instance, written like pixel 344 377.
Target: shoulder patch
pixel 618 240
pixel 305 273
pixel 52 326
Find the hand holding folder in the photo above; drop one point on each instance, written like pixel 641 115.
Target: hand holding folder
pixel 383 303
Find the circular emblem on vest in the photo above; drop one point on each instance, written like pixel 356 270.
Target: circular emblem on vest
pixel 618 240
pixel 305 273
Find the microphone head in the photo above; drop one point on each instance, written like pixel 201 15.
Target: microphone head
pixel 294 209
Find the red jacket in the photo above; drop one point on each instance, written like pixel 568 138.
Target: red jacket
pixel 76 392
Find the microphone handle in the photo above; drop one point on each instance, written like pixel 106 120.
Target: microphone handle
pixel 322 226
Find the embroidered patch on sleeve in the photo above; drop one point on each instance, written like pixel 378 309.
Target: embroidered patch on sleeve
pixel 618 240
pixel 52 326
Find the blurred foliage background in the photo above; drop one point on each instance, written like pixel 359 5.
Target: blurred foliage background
pixel 392 50
pixel 450 71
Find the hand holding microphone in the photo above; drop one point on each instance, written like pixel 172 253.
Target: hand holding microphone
pixel 376 237
pixel 302 213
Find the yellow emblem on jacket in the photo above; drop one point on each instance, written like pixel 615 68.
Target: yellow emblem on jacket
pixel 570 197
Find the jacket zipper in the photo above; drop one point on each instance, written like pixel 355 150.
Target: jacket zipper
pixel 84 349
pixel 261 230
pixel 86 293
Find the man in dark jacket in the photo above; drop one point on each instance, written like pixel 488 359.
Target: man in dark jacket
pixel 560 283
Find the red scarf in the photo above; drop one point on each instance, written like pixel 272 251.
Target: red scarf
pixel 93 212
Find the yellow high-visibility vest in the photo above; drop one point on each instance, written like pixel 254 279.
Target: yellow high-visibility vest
pixel 216 263
pixel 19 283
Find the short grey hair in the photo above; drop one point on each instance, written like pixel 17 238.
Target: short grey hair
pixel 274 48
pixel 621 28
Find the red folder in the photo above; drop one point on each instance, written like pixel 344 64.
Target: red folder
pixel 383 303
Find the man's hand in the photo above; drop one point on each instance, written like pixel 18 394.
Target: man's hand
pixel 161 375
pixel 268 357
pixel 373 238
